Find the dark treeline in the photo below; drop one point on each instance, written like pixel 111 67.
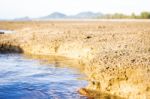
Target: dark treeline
pixel 143 15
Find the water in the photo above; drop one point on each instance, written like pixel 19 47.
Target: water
pixel 22 78
pixel 6 32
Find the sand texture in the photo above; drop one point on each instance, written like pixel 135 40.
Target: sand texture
pixel 115 54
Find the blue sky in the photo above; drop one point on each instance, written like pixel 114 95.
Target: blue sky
pixel 36 8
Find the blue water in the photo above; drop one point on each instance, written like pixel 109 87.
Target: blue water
pixel 22 78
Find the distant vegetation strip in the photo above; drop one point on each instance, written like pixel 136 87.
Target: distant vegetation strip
pixel 143 15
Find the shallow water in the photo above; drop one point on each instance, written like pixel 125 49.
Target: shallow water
pixel 6 31
pixel 22 78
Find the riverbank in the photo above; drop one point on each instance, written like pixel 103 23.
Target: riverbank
pixel 115 55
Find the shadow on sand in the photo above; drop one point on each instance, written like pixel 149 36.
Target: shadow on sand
pixel 5 48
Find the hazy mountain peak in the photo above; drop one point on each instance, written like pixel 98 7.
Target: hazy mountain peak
pixel 55 15
pixel 88 14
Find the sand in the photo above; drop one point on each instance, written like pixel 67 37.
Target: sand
pixel 115 54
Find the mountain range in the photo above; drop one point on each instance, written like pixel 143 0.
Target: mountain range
pixel 58 15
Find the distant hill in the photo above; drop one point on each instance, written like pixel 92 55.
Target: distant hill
pixel 23 19
pixel 55 15
pixel 87 15
pixel 58 15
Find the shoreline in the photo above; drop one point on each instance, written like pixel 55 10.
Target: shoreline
pixel 115 54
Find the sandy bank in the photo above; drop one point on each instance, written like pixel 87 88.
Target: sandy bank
pixel 116 55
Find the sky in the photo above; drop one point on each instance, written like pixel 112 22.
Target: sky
pixel 10 9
